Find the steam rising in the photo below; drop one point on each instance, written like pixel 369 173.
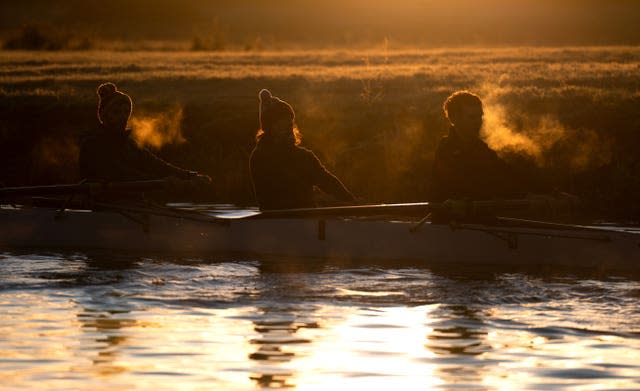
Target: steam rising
pixel 539 137
pixel 156 130
pixel 535 138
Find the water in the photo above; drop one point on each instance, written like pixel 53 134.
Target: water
pixel 112 322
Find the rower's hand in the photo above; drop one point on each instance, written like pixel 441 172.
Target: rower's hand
pixel 563 195
pixel 202 179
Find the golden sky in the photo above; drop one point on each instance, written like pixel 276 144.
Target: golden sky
pixel 424 22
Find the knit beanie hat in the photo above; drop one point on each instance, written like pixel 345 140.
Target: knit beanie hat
pixel 108 95
pixel 273 109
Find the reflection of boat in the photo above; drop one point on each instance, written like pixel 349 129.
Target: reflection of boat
pixel 510 242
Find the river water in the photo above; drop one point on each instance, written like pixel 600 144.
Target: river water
pixel 105 321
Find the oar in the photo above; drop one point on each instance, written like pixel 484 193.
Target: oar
pixel 406 209
pixel 515 222
pixel 455 209
pixel 539 206
pixel 159 211
pixel 88 188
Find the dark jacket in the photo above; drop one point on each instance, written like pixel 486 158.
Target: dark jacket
pixel 106 155
pixel 470 171
pixel 284 177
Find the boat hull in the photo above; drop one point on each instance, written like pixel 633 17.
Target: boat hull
pixel 333 238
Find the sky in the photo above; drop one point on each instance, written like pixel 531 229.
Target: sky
pixel 339 22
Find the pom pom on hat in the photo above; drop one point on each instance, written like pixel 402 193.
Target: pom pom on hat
pixel 273 109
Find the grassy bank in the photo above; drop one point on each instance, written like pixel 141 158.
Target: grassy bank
pixel 567 118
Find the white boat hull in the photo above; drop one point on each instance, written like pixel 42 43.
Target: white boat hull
pixel 333 238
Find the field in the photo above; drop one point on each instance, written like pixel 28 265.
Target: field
pixel 567 118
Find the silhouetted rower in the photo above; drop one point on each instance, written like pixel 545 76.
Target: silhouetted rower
pixel 284 173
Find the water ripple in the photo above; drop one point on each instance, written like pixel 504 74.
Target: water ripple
pixel 73 319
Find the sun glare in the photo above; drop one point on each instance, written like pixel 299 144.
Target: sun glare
pixel 381 348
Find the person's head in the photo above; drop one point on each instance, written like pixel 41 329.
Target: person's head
pixel 464 111
pixel 114 107
pixel 277 119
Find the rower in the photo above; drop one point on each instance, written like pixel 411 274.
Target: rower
pixel 464 166
pixel 473 179
pixel 284 173
pixel 111 154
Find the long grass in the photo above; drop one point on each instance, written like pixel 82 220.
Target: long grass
pixel 567 118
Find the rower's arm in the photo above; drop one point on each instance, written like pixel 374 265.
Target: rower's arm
pixel 155 166
pixel 329 183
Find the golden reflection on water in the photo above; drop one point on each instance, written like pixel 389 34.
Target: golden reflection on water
pixel 373 347
pixel 32 340
pixel 57 341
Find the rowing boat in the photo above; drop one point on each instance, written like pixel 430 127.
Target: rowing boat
pixel 363 233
